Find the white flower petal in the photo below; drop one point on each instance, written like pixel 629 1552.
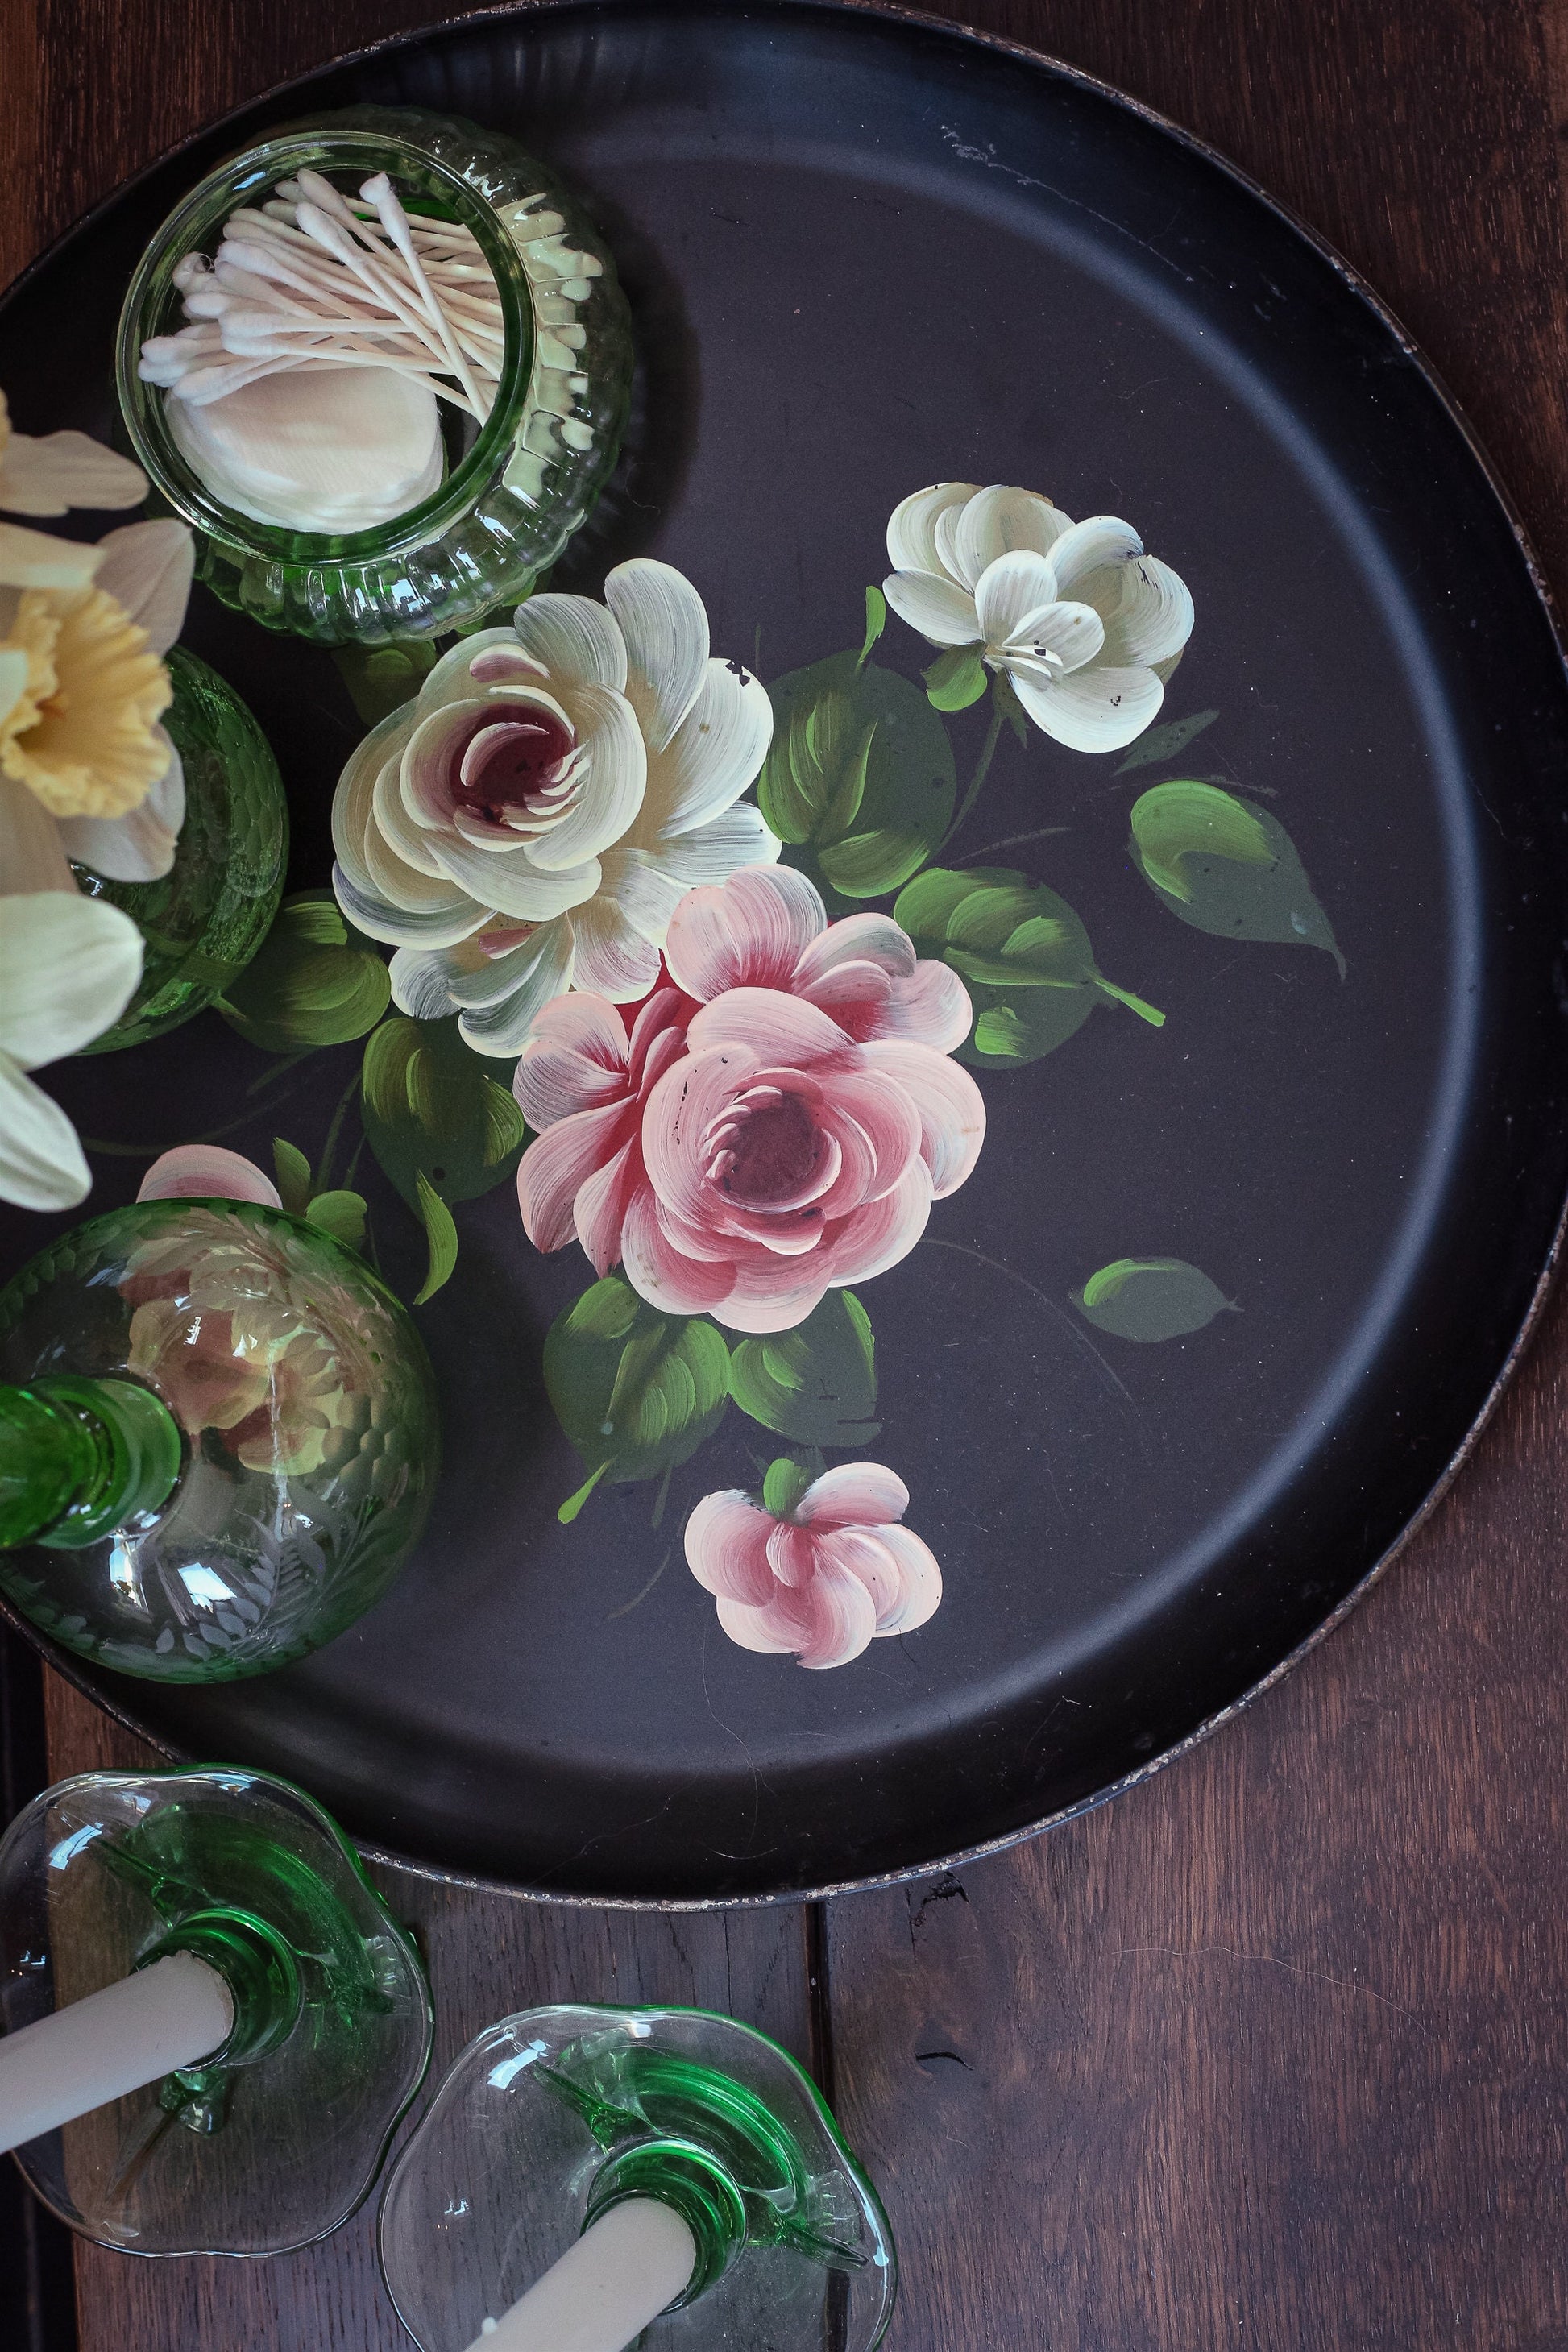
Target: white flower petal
pixel 575 639
pixel 1015 594
pixel 665 625
pixel 610 790
pixel 951 1109
pixel 31 559
pixel 912 525
pixel 715 753
pixel 390 818
pixel 1097 708
pixel 1087 548
pixel 995 523
pixel 41 1162
pixel 614 959
pixel 508 881
pixel 205 1171
pixel 353 800
pixel 61 470
pixel 943 612
pixel 138 846
pixel 922 1580
pixel 147 567
pixel 651 883
pixel 501 1029
pixel 12 679
pixel 1151 617
pixel 32 857
pixel 853 1495
pixel 450 680
pixel 68 968
pixel 644 890
pixel 438 923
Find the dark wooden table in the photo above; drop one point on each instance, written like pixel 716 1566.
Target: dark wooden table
pixel 1273 2051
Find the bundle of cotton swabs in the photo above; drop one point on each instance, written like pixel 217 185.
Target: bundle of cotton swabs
pixel 313 280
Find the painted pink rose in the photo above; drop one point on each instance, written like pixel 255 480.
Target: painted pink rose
pixel 819 1569
pixel 777 1122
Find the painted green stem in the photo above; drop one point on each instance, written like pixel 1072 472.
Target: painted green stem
pixel 982 770
pixel 80 1458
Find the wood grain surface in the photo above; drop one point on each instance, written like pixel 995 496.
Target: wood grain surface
pixel 1273 2051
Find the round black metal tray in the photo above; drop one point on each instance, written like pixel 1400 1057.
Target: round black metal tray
pixel 864 254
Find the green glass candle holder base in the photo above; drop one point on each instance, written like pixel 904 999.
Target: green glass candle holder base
pixel 555 2115
pixel 262 1367
pixel 204 921
pixel 273 2141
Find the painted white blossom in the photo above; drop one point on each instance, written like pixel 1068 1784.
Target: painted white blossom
pixel 530 823
pixel 68 967
pixel 1085 624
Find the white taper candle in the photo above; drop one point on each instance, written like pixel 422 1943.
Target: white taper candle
pixel 622 2273
pixel 135 2031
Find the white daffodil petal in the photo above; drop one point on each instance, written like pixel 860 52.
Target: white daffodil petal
pixel 13 679
pixel 610 791
pixel 1093 710
pixel 61 470
pixel 716 753
pixel 1087 548
pixel 613 958
pixel 1013 590
pixel 147 568
pixel 31 854
pixel 576 640
pixel 140 846
pixel 510 882
pixel 501 1030
pixel 31 559
pixel 997 521
pixel 438 923
pixel 943 612
pixel 1150 619
pixel 665 624
pixel 68 968
pixel 41 1162
pixel 912 525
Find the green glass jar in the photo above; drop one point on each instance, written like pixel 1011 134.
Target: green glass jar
pixel 203 921
pixel 218 1439
pixel 513 496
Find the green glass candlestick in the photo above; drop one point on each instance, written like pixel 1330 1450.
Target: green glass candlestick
pixel 585 2174
pixel 218 1439
pixel 204 919
pixel 138 1908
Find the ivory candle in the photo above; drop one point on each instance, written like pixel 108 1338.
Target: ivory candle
pixel 624 2270
pixel 171 2014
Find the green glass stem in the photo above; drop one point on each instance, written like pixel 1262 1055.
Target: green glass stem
pixel 81 1457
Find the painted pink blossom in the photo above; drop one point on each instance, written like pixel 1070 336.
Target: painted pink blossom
pixel 820 1569
pixel 778 1122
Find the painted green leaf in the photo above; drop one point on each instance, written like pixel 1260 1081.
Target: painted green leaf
pixel 784 1484
pixel 291 1173
pixel 342 1214
pixel 1166 743
pixel 956 678
pixel 310 985
pixel 381 679
pixel 431 1108
pixel 876 621
pixel 637 1391
pixel 817 1383
pixel 859 781
pixel 1225 866
pixel 441 1234
pixel 1149 1298
pixel 1022 952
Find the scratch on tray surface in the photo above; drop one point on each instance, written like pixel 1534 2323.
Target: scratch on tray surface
pixel 626 1608
pixel 757 1780
pixel 1046 1301
pixel 1272 1961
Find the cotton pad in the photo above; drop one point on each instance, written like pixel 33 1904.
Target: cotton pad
pixel 335 449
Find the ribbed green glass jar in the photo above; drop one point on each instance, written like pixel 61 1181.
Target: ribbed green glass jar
pixel 205 918
pixel 509 501
pixel 305 1406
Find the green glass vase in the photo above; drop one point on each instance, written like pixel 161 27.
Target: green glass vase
pixel 275 2136
pixel 205 918
pixel 218 1439
pixel 515 491
pixel 558 2120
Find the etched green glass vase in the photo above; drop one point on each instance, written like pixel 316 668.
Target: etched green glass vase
pixel 515 489
pixel 205 918
pixel 218 1439
pixel 673 2171
pixel 268 2140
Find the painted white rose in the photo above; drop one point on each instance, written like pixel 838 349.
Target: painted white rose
pixel 1085 624
pixel 530 823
